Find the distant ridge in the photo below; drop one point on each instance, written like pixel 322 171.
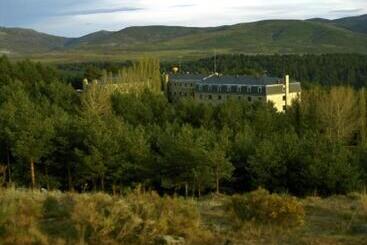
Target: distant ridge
pixel 346 35
pixel 355 23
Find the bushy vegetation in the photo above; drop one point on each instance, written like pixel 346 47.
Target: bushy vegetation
pixel 137 218
pixel 261 206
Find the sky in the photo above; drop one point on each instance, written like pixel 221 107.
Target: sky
pixel 74 18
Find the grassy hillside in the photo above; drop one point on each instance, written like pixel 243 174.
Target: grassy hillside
pixel 266 37
pixel 357 24
pixel 17 41
pixel 273 36
pixel 133 36
pixel 346 35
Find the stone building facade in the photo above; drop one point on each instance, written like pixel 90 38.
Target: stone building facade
pixel 217 88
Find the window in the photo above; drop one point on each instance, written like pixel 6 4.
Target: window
pixel 239 97
pixel 200 88
pixel 228 88
pixel 284 98
pixel 259 98
pixel 185 94
pixel 249 99
pixel 219 97
pixel 174 93
pixel 284 108
pixel 210 96
pixel 259 90
pixel 209 88
pixel 249 89
pixel 238 89
pixel 234 89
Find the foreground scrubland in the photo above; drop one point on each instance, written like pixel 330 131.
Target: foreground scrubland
pixel 139 217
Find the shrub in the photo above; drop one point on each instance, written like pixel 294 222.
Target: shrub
pixel 156 216
pixel 56 220
pixel 262 207
pixel 28 217
pixel 20 213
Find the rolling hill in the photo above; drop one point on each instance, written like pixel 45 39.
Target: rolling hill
pixel 347 35
pixel 356 23
pixel 26 41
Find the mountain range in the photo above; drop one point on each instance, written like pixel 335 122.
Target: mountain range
pixel 346 35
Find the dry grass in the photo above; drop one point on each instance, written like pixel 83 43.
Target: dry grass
pixel 143 218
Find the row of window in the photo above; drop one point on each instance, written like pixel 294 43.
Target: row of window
pixel 183 84
pixel 230 88
pixel 211 97
pixel 183 94
pixel 220 97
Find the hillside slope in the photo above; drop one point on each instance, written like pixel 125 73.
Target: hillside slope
pixel 278 36
pixel 347 35
pixel 272 36
pixel 25 41
pixel 355 23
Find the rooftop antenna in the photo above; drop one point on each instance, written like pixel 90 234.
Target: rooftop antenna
pixel 215 61
pixel 180 63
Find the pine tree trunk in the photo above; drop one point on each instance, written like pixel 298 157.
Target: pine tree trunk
pixel 186 190
pixel 113 189
pixel 47 178
pixel 102 182
pixel 217 180
pixel 33 175
pixel 70 181
pixel 199 190
pixel 8 163
pixel 362 109
pixel 193 190
pixel 95 185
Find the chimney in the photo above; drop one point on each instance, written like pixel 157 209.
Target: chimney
pixel 85 83
pixel 165 85
pixel 287 102
pixel 166 78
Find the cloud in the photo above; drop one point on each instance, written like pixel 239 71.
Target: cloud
pixel 182 5
pixel 75 18
pixel 347 11
pixel 99 11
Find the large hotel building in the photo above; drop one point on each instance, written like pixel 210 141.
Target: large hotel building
pixel 219 88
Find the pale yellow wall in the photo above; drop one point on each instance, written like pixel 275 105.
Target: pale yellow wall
pixel 224 97
pixel 294 96
pixel 277 100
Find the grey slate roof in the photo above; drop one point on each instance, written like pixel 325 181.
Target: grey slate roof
pixel 186 77
pixel 295 87
pixel 237 84
pixel 242 80
pixel 225 79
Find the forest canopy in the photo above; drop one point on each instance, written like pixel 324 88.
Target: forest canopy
pixel 52 137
